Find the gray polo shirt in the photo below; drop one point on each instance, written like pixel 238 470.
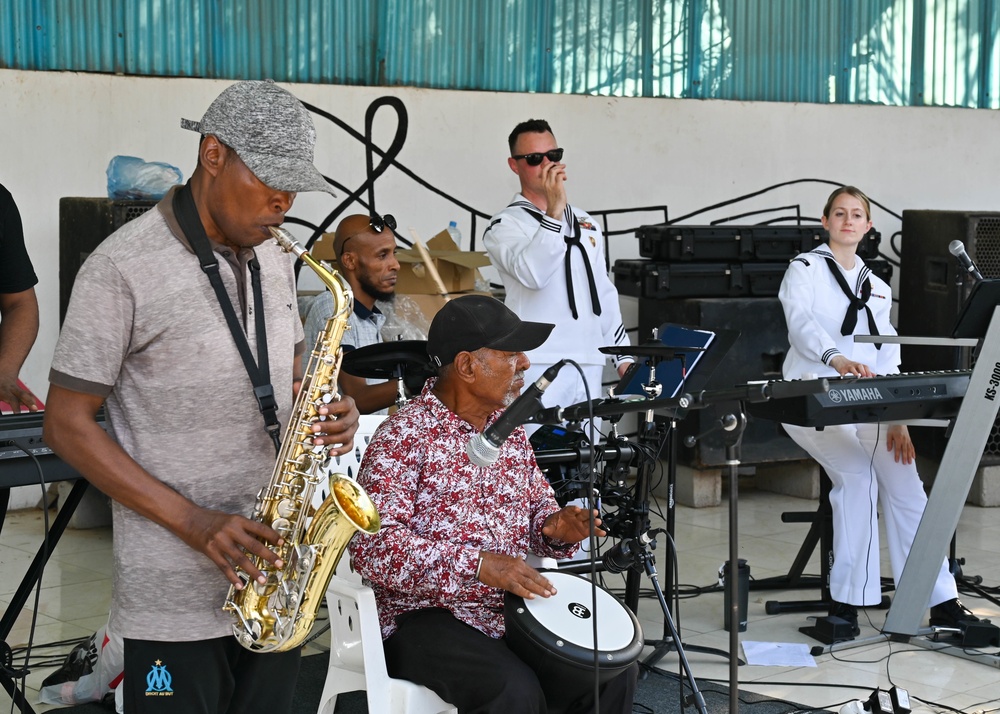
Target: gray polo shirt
pixel 144 329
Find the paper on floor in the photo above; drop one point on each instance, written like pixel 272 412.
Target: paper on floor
pixel 778 654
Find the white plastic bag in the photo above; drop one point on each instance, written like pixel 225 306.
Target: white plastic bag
pixel 92 670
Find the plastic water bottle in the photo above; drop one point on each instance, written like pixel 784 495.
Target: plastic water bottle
pixel 456 235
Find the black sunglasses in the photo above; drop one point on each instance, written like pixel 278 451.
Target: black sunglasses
pixel 536 159
pixel 378 222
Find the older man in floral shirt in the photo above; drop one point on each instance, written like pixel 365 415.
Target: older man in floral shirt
pixel 454 534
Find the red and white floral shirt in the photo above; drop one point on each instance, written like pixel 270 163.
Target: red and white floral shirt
pixel 439 510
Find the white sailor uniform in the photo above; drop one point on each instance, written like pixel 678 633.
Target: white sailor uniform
pixel 554 271
pixel 862 470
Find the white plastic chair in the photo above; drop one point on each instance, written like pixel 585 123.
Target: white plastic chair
pixel 357 660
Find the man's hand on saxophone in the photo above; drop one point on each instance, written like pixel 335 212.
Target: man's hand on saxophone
pixel 229 540
pixel 340 416
pixel 339 427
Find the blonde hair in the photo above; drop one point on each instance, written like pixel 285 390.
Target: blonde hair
pixel 850 191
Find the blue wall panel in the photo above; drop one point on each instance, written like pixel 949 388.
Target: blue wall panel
pixel 902 52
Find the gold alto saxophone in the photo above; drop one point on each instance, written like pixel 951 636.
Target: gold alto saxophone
pixel 278 615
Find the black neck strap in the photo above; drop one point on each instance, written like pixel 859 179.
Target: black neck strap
pixel 259 371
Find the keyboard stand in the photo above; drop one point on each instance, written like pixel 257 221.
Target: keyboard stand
pixel 28 583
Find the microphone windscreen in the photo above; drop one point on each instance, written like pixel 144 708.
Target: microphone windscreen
pixel 481 452
pixel 956 247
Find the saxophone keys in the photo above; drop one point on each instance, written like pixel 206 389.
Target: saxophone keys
pixel 282 525
pixel 288 596
pixel 306 559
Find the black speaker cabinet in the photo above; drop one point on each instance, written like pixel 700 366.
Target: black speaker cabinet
pixel 83 224
pixel 932 290
pixel 757 354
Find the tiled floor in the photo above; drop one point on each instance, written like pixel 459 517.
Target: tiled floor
pixel 76 591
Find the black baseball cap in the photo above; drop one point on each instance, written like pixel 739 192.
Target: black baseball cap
pixel 471 322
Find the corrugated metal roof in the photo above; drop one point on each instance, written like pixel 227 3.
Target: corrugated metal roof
pixel 906 52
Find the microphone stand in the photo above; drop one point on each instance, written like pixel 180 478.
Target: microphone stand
pixel 642 559
pixel 732 427
pixel 732 437
pixel 669 641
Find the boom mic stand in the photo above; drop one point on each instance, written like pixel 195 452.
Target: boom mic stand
pixel 669 642
pixel 652 434
pixel 733 427
pixel 635 555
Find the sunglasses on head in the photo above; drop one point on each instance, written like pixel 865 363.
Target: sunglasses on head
pixel 536 159
pixel 378 222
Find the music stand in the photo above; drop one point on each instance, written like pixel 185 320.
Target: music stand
pixel 979 317
pixel 974 318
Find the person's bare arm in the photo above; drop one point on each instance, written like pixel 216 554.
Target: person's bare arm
pixel 368 397
pixel 18 329
pixel 72 432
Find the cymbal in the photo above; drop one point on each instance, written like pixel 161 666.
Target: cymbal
pixel 652 350
pixel 389 360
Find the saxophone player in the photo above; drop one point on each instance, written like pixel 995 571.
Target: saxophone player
pixel 192 380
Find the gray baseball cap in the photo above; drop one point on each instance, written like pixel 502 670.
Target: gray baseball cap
pixel 271 132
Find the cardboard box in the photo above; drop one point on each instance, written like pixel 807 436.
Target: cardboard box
pixel 322 249
pixel 457 268
pixel 418 310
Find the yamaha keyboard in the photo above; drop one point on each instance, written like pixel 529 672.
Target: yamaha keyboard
pixel 855 400
pixel 21 434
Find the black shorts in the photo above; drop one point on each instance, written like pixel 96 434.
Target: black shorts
pixel 207 677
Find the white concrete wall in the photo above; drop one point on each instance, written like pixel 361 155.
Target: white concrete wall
pixel 61 129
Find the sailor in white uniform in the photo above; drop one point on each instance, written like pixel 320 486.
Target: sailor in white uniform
pixel 829 295
pixel 550 257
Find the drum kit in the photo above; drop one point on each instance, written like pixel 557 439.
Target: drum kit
pixel 404 361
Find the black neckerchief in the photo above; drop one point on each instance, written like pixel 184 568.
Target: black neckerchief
pixel 574 240
pixel 855 303
pixel 259 371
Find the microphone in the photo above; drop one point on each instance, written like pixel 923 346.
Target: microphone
pixel 957 249
pixel 622 556
pixel 484 449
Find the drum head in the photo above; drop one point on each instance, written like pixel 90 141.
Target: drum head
pixel 571 614
pixel 555 637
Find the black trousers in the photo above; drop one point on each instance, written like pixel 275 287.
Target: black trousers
pixel 479 674
pixel 207 677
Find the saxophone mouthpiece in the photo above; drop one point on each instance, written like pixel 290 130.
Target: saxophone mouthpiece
pixel 285 240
